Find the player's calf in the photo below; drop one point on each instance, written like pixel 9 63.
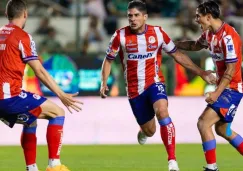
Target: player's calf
pixel 28 143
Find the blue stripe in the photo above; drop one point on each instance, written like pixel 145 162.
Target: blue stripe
pixel 231 60
pixel 209 145
pixel 173 50
pixel 57 121
pixel 165 121
pixel 110 57
pixel 228 130
pixel 236 141
pixel 29 130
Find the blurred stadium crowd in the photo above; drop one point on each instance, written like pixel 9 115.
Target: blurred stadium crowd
pixel 103 19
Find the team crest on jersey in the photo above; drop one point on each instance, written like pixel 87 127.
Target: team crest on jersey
pixel 152 39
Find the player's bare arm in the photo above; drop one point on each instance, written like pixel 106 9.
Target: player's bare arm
pixel 105 72
pixel 189 45
pixel 224 82
pixel 47 80
pixel 186 62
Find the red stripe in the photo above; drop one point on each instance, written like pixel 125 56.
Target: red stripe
pixel 131 43
pixel 165 36
pixel 36 111
pixel 116 42
pixel 151 39
pixel 159 62
pixel 132 78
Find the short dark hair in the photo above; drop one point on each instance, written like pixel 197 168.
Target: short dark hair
pixel 139 5
pixel 209 7
pixel 14 8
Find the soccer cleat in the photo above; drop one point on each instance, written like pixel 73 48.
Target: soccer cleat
pixel 173 166
pixel 142 138
pixel 58 168
pixel 206 169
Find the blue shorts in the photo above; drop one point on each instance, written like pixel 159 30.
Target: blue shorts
pixel 142 105
pixel 227 104
pixel 23 109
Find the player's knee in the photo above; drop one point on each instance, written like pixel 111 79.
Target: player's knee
pixel 201 124
pixel 162 112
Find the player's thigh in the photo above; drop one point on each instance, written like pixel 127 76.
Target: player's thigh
pixel 208 118
pixel 50 110
pixel 158 97
pixel 143 110
pixel 22 109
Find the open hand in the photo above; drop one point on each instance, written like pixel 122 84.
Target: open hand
pixel 70 103
pixel 209 77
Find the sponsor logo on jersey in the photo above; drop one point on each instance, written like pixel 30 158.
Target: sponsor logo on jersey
pixel 230 48
pixel 150 46
pixel 139 56
pixel 22 118
pixel 228 40
pixel 216 56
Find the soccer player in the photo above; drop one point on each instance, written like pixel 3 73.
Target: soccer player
pixel 140 49
pixel 225 48
pixel 17 48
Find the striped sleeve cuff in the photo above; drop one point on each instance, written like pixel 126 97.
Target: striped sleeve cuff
pixel 173 50
pixel 29 58
pixel 231 60
pixel 110 57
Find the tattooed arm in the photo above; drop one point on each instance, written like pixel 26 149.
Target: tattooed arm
pixel 189 45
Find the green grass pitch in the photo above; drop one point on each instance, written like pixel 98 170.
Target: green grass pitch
pixel 123 158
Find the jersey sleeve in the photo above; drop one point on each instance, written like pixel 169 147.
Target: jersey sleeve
pixel 27 48
pixel 203 39
pixel 168 45
pixel 229 49
pixel 114 46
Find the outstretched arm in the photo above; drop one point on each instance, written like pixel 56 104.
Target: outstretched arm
pixel 186 62
pixel 189 45
pixel 105 72
pixel 49 82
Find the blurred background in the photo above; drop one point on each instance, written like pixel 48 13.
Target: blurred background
pixel 72 37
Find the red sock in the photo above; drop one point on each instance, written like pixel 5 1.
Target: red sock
pixel 28 143
pixel 209 148
pixel 54 137
pixel 167 133
pixel 240 148
pixel 210 156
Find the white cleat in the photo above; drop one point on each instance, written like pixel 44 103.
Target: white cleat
pixel 142 138
pixel 173 166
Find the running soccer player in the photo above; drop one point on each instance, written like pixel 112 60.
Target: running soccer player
pixel 17 48
pixel 225 48
pixel 140 49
